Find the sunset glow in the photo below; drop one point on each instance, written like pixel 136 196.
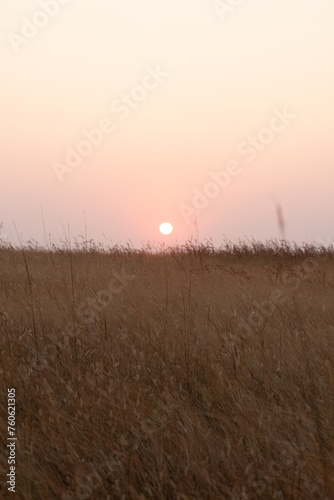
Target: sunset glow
pixel 166 228
pixel 123 110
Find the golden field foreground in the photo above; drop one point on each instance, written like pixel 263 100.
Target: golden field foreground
pixel 181 374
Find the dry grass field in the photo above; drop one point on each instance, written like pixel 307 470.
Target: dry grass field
pixel 187 373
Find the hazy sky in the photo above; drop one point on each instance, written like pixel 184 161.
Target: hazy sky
pixel 141 112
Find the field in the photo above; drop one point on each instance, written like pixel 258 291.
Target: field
pixel 186 373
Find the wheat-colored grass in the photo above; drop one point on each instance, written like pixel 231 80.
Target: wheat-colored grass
pixel 169 390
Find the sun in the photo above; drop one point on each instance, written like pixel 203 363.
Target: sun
pixel 166 228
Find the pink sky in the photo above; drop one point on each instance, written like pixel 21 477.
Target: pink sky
pixel 186 88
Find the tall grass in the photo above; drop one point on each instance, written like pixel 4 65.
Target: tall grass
pixel 166 386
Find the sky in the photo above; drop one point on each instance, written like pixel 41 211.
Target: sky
pixel 119 115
